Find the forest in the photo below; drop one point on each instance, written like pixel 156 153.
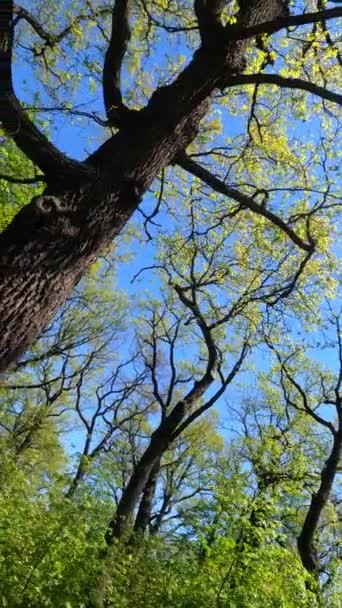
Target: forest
pixel 170 304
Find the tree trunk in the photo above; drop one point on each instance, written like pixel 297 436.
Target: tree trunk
pixel 138 480
pixel 143 517
pixel 53 240
pixel 306 539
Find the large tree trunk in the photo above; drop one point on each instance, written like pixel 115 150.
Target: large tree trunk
pixel 159 443
pixel 52 241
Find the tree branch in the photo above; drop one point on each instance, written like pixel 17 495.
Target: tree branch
pixel 301 392
pixel 208 404
pixel 22 180
pixel 245 201
pixel 16 123
pixel 162 436
pixel 23 14
pixel 115 109
pixel 49 38
pixel 290 83
pixel 236 32
pixel 306 407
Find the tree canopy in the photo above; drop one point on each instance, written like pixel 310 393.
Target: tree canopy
pixel 170 326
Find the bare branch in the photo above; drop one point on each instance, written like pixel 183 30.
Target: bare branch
pixel 25 15
pixel 225 382
pixel 299 389
pixel 319 499
pixel 49 38
pixel 290 83
pixel 148 218
pixel 246 202
pixel 306 405
pixel 114 56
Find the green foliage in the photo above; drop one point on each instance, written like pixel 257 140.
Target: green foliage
pixel 233 490
pixel 14 196
pixel 50 557
pixel 48 545
pixel 181 578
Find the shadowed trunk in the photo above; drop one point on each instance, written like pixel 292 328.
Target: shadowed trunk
pixel 143 517
pixel 306 539
pixel 52 241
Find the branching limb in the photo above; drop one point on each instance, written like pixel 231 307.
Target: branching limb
pixel 171 29
pixel 22 14
pixel 236 32
pixel 225 381
pixel 148 218
pixel 306 540
pixel 16 123
pixel 245 201
pixel 290 83
pixel 50 39
pixel 162 436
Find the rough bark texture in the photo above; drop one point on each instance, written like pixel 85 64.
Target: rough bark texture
pixel 53 240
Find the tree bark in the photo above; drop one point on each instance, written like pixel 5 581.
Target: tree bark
pixel 54 239
pixel 143 517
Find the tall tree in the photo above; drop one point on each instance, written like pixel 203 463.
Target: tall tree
pixel 309 392
pixel 53 240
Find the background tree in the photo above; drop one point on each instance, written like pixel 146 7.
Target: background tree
pixel 55 238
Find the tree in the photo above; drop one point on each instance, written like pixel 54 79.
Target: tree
pixel 54 239
pixel 308 392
